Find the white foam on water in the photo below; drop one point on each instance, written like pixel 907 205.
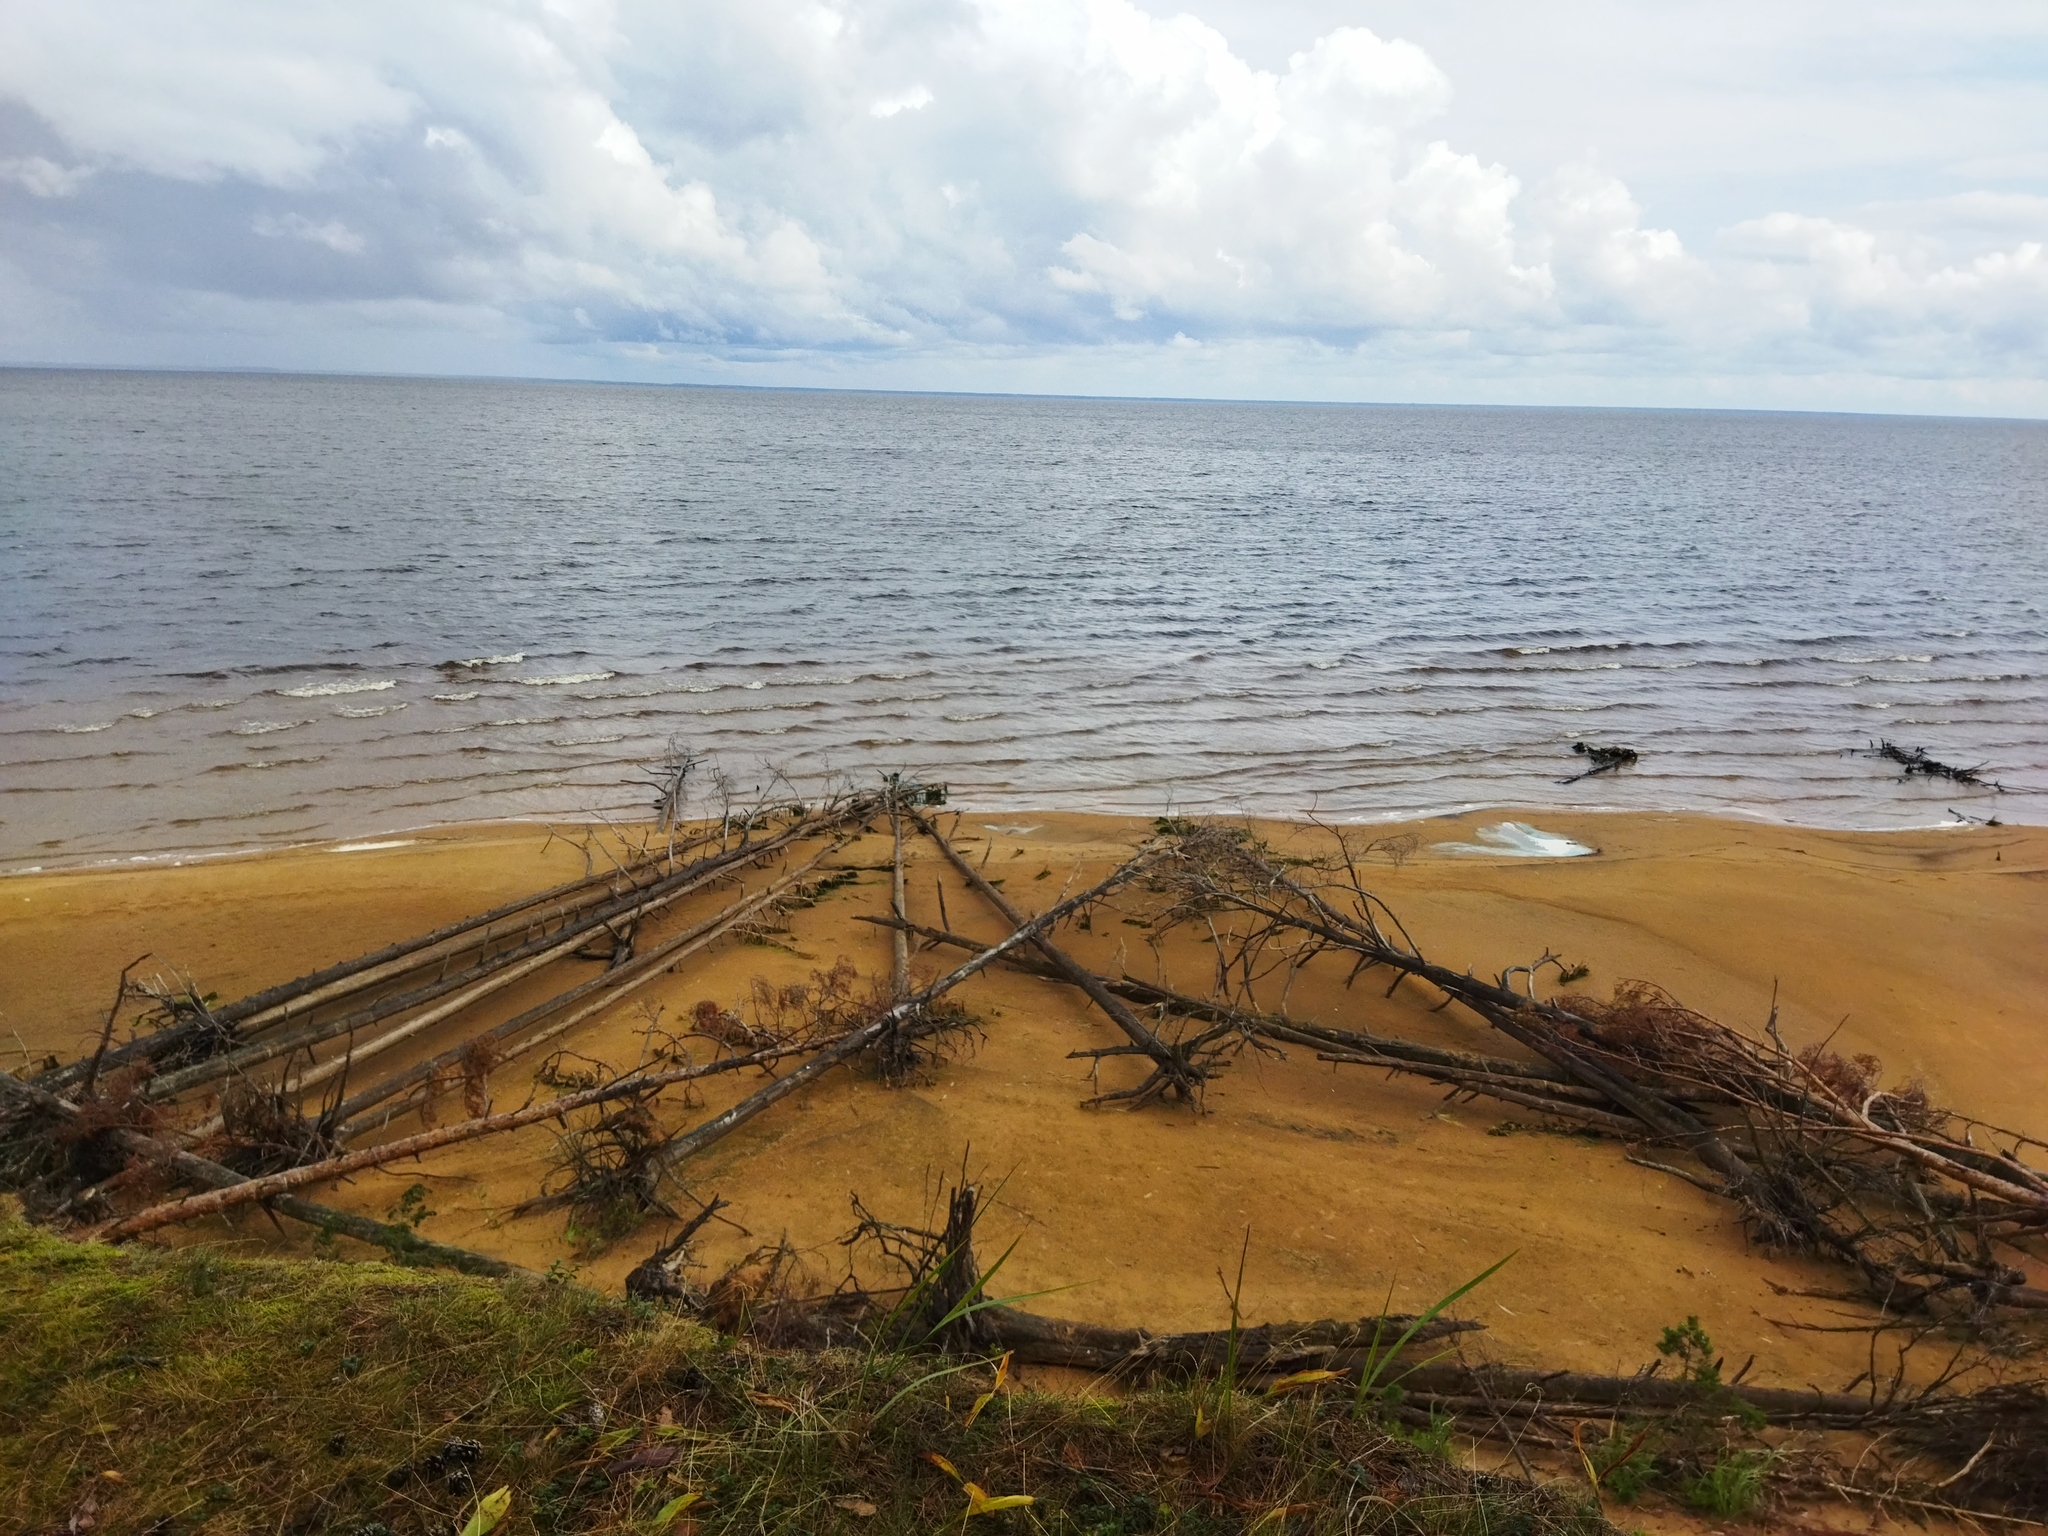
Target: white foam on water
pixel 329 690
pixel 265 727
pixel 565 677
pixel 402 842
pixel 373 711
pixel 585 741
pixel 511 660
pixel 457 698
pixel 1519 840
pixel 989 714
pixel 86 730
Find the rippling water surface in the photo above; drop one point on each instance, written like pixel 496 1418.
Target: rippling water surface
pixel 242 609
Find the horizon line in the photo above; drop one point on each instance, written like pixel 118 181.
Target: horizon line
pixel 398 376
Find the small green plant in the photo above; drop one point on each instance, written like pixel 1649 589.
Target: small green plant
pixel 1689 1345
pixel 1733 1487
pixel 411 1208
pixel 1370 1388
pixel 1623 1464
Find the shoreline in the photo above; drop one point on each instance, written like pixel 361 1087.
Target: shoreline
pixel 591 822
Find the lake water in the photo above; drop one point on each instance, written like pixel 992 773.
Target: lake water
pixel 240 610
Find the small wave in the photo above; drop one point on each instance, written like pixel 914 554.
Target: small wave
pixel 86 730
pixel 527 720
pixel 458 698
pixel 1325 666
pixel 511 660
pixel 586 741
pixel 265 727
pixel 372 711
pixel 1526 650
pixel 397 842
pixel 328 690
pixel 990 714
pixel 144 714
pixel 564 677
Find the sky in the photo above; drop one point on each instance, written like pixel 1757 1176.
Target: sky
pixel 1794 205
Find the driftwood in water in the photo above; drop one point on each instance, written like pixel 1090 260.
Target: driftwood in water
pixel 1604 759
pixel 1916 761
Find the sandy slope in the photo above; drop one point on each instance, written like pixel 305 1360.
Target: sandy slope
pixel 1925 948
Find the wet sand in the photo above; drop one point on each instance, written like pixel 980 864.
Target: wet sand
pixel 1925 948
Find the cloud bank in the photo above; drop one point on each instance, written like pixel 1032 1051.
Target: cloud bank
pixel 946 193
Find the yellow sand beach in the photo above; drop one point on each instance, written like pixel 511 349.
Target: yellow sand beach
pixel 1924 948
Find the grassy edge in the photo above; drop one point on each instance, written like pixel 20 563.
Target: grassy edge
pixel 190 1391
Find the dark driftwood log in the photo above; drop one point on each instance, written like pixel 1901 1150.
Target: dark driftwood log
pixel 1270 1349
pixel 401 1241
pixel 1561 1391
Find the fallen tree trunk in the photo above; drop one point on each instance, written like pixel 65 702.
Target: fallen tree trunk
pixel 403 1242
pixel 413 1146
pixel 490 975
pixel 1270 1349
pixel 274 1004
pixel 1173 1071
pixel 607 990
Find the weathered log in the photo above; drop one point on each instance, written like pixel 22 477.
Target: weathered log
pixel 1174 1072
pixel 403 1242
pixel 1266 1350
pixel 607 988
pixel 413 1146
pixel 488 976
pixel 274 1004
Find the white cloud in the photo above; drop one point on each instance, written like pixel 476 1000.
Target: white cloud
pixel 333 234
pixel 44 178
pixel 937 185
pixel 916 99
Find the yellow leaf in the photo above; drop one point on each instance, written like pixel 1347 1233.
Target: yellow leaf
pixel 674 1507
pixel 981 1402
pixel 854 1505
pixel 1271 1519
pixel 1301 1379
pixel 1202 1423
pixel 943 1465
pixel 979 1503
pixel 770 1400
pixel 490 1509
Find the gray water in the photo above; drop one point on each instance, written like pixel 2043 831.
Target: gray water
pixel 240 610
